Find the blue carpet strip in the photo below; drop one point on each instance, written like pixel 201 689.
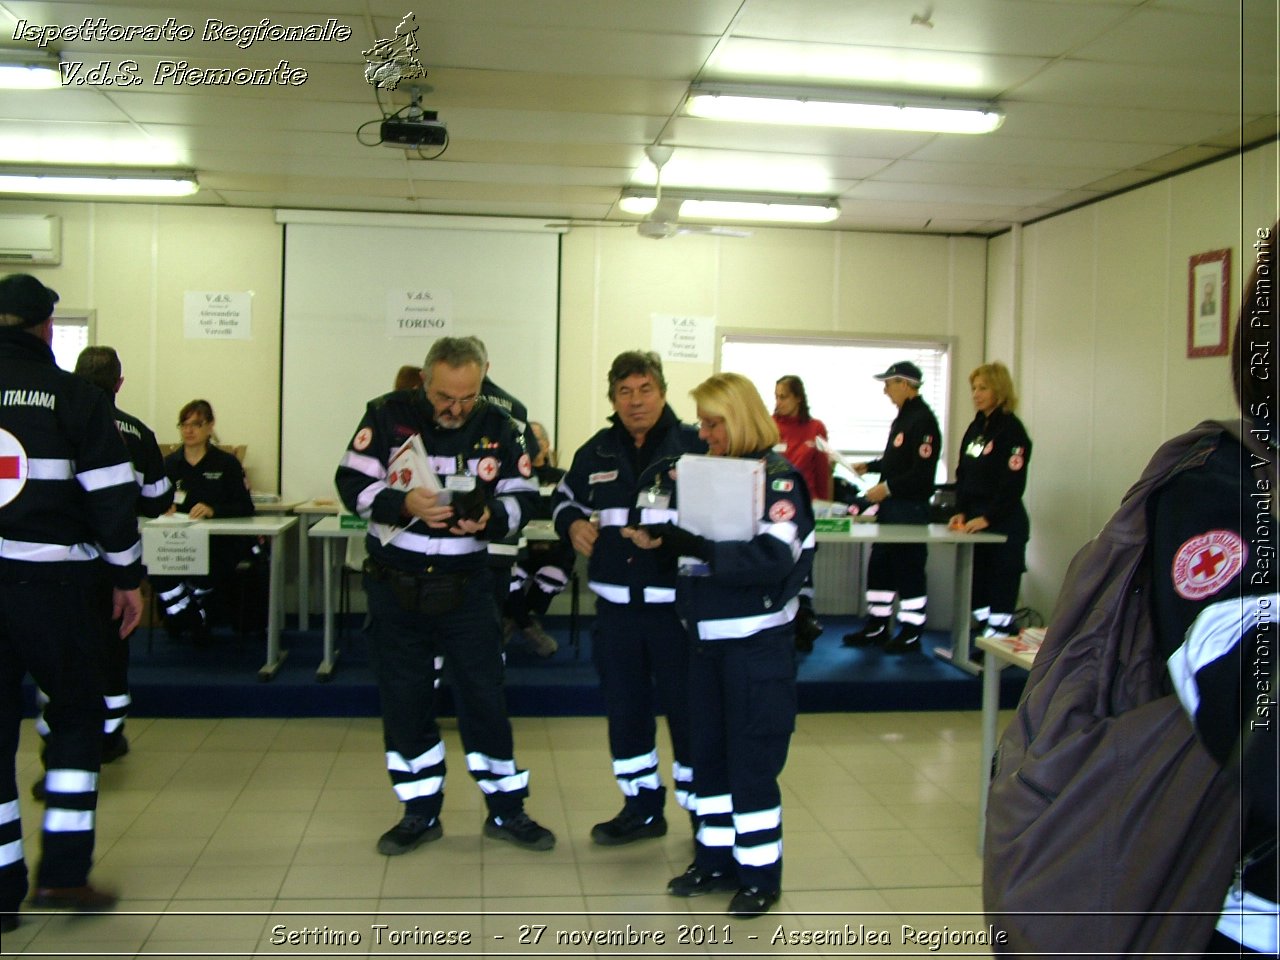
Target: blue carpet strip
pixel 220 679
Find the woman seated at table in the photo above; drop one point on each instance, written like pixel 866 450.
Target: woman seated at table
pixel 739 606
pixel 208 483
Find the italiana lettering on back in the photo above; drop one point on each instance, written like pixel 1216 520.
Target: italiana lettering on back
pixel 28 398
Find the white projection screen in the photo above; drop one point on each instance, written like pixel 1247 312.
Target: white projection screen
pixel 342 286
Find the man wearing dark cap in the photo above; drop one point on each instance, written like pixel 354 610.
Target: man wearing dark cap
pixel 67 495
pixel 907 469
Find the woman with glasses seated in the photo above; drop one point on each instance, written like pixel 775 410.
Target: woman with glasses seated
pixel 208 483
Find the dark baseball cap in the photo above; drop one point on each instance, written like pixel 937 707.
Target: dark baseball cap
pixel 25 297
pixel 902 370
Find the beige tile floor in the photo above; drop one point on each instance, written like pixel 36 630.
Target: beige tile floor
pixel 226 837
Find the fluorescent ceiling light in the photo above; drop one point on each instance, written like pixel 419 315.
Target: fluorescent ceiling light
pixel 756 207
pixel 817 107
pixel 829 63
pixel 97 182
pixel 29 70
pixel 41 144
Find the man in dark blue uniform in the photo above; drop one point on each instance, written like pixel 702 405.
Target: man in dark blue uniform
pixel 100 365
pixel 638 641
pixel 67 495
pixel 430 589
pixel 907 469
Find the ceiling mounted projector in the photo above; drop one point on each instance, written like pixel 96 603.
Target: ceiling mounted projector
pixel 423 131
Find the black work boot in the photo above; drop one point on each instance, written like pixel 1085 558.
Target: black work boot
pixel 905 640
pixel 627 827
pixel 875 632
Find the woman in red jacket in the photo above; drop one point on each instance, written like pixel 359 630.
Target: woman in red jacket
pixel 800 432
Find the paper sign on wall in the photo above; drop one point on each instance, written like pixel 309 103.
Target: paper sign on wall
pixel 175 549
pixel 416 313
pixel 684 339
pixel 217 315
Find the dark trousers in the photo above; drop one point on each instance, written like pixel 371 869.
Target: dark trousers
pixel 539 576
pixel 115 680
pixel 53 632
pixel 115 675
pixel 405 646
pixel 745 692
pixel 900 567
pixel 997 575
pixel 641 655
pixel 201 600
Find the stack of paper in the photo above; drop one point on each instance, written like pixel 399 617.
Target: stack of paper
pixel 720 498
pixel 408 469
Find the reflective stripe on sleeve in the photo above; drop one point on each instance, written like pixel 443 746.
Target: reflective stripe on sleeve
pixel 103 477
pixel 49 469
pixel 1215 631
pixel 47 552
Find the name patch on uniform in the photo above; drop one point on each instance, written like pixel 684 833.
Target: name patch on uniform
pixel 1207 563
pixel 604 476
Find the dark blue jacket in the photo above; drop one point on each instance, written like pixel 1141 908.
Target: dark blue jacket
pixel 910 458
pixel 67 490
pixel 754 585
pixel 486 448
pixel 603 479
pixel 991 474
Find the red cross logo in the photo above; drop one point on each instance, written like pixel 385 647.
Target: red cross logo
pixel 1208 562
pixel 13 467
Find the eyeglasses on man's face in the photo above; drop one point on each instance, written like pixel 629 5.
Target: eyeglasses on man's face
pixel 442 401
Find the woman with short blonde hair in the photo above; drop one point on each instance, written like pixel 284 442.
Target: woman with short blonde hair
pixel 735 399
pixel 739 607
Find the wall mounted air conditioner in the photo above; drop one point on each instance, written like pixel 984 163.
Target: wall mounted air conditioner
pixel 30 238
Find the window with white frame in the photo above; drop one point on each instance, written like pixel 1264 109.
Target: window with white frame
pixel 839 380
pixel 71 334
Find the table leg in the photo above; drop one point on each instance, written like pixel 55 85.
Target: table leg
pixel 275 611
pixel 325 671
pixel 304 572
pixel 961 595
pixel 991 671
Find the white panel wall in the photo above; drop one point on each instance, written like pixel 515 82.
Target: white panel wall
pixel 1103 365
pixel 132 263
pixel 777 279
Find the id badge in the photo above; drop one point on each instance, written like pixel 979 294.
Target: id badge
pixel 179 496
pixel 654 500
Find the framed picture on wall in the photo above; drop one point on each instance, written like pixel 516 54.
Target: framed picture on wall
pixel 1208 301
